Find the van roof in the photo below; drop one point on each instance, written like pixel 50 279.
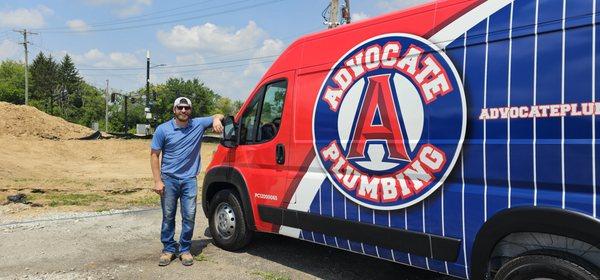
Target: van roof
pixel 291 57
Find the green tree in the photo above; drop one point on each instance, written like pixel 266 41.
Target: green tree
pixel 203 98
pixel 12 82
pixel 92 106
pixel 224 106
pixel 70 97
pixel 44 82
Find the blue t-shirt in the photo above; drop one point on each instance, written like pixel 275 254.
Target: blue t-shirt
pixel 180 146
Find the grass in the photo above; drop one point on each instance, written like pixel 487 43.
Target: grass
pixel 201 257
pixel 77 199
pixel 150 199
pixel 271 275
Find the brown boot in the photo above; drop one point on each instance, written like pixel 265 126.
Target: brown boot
pixel 165 259
pixel 186 259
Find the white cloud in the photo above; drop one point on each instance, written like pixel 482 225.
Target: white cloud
pixel 393 5
pixel 97 58
pixel 123 8
pixel 210 42
pixel 210 38
pixel 9 50
pixel 25 18
pixel 270 47
pixel 359 16
pixel 194 58
pixel 78 25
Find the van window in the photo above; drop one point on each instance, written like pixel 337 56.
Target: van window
pixel 270 116
pixel 262 118
pixel 248 122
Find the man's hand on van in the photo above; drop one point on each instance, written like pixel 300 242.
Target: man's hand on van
pixel 159 187
pixel 217 124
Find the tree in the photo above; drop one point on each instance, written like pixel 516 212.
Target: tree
pixel 12 82
pixel 70 95
pixel 203 98
pixel 44 82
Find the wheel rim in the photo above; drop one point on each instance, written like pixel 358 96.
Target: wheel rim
pixel 224 219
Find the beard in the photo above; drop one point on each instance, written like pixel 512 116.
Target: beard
pixel 182 117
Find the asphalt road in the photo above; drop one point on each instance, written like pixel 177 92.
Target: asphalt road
pixel 127 245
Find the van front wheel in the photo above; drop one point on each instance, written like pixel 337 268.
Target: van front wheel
pixel 227 222
pixel 542 267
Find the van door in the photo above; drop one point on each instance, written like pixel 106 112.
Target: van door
pixel 264 133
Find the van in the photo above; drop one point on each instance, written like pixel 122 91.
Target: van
pixel 457 136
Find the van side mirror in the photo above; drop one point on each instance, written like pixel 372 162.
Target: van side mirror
pixel 229 133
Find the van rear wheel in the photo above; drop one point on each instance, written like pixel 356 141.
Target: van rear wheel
pixel 543 267
pixel 227 222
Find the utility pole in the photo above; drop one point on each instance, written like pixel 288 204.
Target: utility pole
pixel 24 32
pixel 333 15
pixel 147 79
pixel 126 97
pixel 106 99
pixel 346 12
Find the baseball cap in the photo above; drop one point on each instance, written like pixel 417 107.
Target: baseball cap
pixel 182 101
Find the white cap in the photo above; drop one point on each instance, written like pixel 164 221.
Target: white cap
pixel 182 101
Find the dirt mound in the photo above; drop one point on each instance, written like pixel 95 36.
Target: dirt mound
pixel 27 121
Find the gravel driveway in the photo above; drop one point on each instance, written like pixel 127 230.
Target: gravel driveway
pixel 125 245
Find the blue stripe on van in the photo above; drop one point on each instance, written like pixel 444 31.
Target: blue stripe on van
pixel 366 216
pixel 382 218
pixel 326 208
pixel 496 95
pixel 433 224
pixel 578 89
pixel 452 188
pixel 473 150
pixel 338 212
pixel 596 97
pixel 415 223
pixel 548 146
pixel 521 87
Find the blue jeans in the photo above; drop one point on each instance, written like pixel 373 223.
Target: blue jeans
pixel 185 190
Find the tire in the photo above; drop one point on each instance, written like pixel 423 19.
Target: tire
pixel 227 222
pixel 544 267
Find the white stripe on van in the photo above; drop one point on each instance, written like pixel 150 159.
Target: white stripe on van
pixel 458 27
pixel 444 223
pixel 562 101
pixel 594 100
pixel 305 193
pixel 462 168
pixel 424 231
pixel 512 5
pixel 485 81
pixel 535 59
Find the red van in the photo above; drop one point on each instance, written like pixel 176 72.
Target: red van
pixel 457 136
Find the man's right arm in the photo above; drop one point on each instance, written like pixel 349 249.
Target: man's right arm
pixel 159 186
pixel 157 145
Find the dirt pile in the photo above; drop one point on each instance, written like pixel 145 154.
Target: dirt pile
pixel 27 121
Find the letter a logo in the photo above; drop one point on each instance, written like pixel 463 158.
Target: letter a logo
pixel 378 120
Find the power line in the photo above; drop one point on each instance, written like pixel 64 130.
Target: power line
pixel 143 18
pixel 183 65
pixel 193 70
pixel 171 21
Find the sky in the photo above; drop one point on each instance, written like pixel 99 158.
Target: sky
pixel 226 44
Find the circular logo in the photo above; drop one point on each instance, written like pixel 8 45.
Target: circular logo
pixel 389 121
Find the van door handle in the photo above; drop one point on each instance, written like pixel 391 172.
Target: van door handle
pixel 280 154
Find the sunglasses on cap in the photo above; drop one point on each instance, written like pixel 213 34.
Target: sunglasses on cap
pixel 180 108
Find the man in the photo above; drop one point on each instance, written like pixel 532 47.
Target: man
pixel 179 142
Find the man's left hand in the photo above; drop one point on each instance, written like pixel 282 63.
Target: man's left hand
pixel 217 125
